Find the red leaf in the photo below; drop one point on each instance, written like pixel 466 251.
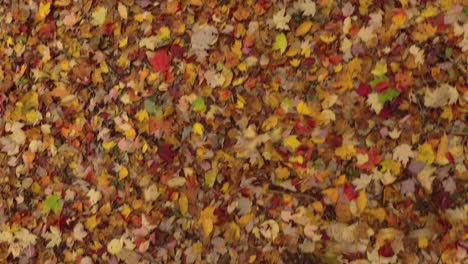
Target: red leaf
pixel 47 30
pixel 381 86
pixel 373 159
pixel 363 89
pixel 386 250
pixel 160 61
pixel 165 152
pixel 349 192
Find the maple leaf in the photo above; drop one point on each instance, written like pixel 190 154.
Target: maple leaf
pixel 374 102
pixel 441 96
pixel 54 237
pixel 418 54
pixel 197 128
pixel 307 7
pixel 207 220
pixel 291 143
pixel 214 79
pixel 425 178
pixel 25 237
pixel 78 232
pixel 426 153
pixel 94 196
pixel 203 36
pixel 423 31
pixel 366 33
pixel 115 246
pixel 281 19
pixel 403 153
pixel 98 17
pixel 160 61
pixel 345 152
pixel 44 9
pixel 199 104
pixel 362 182
pixel 52 202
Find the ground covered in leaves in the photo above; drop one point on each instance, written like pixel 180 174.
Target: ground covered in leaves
pixel 203 131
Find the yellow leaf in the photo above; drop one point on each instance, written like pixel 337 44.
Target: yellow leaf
pixel 123 42
pixel 210 178
pixel 130 134
pixel 164 33
pixel 280 43
pixel 303 28
pixel 240 101
pixel 123 173
pixel 183 204
pixel 44 10
pixel 33 117
pixel 115 246
pixel 207 219
pixel 426 153
pixel 30 100
pixel 445 4
pixel 442 150
pixel 423 31
pixel 198 129
pixel 429 12
pixel 269 123
pixel 232 233
pixel 282 173
pixel 303 109
pixel 245 219
pixel 291 143
pixel 91 223
pixel 98 17
pixel 380 69
pixel 332 194
pixel 126 210
pixel 447 113
pixel 142 115
pixel 295 62
pixel 292 51
pixel 108 145
pixel 399 19
pixel 327 38
pixel 423 242
pixel 103 67
pixel 379 213
pixel 362 200
pixel 345 152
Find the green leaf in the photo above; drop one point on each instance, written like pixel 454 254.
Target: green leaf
pixel 448 52
pixel 199 104
pixel 52 203
pixel 150 106
pixel 388 95
pixel 288 103
pixel 280 43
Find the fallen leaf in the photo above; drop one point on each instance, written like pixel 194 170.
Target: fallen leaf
pixel 281 19
pixel 281 43
pixel 98 17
